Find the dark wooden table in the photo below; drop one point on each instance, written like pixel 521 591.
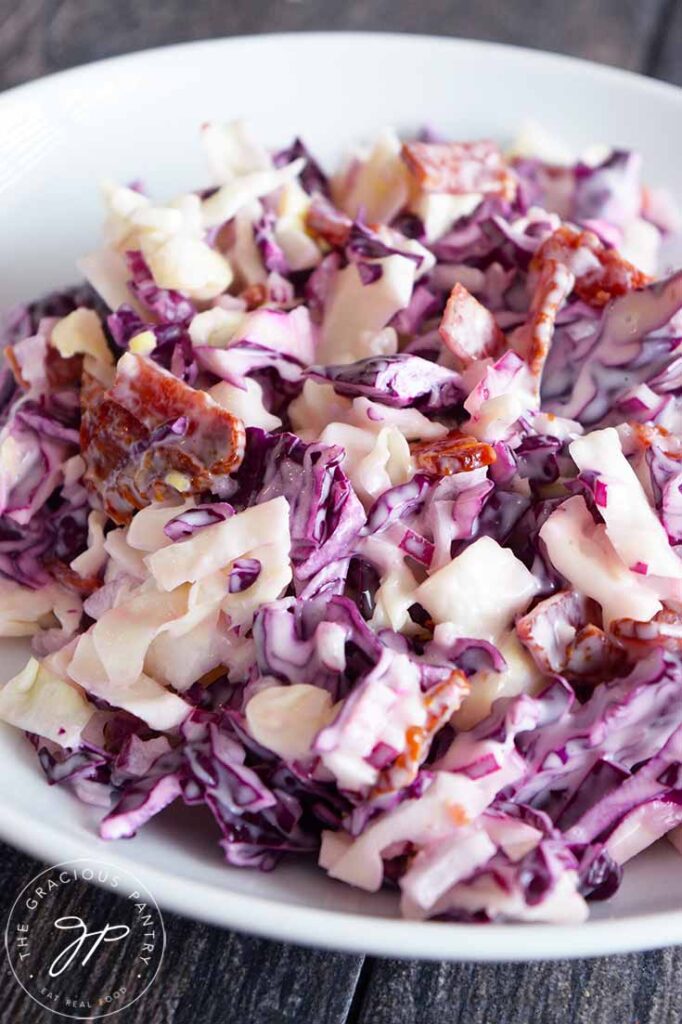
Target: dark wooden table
pixel 213 976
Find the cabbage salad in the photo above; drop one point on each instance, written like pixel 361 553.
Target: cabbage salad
pixel 350 508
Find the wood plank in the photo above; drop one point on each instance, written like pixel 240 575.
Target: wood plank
pixel 667 58
pixel 207 974
pixel 633 989
pixel 38 36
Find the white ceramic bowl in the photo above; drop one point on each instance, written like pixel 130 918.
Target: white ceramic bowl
pixel 138 116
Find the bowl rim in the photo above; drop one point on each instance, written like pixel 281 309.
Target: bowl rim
pixel 334 929
pixel 539 56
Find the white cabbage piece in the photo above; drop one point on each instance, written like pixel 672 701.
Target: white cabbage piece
pixel 491 893
pixel 286 719
pixel 24 611
pixel 641 245
pixel 146 529
pixel 106 270
pixel 274 577
pixel 39 701
pixel 91 561
pixel 231 151
pixel 246 403
pixel 318 406
pixel 355 312
pixel 215 327
pixel 188 265
pixel 124 560
pixel 376 182
pixel 411 423
pixel 534 142
pixel 396 592
pixel 583 553
pixel 438 211
pixel 80 333
pixel 373 462
pixel 171 240
pixel 289 332
pixel 215 547
pixel 390 702
pixel 242 251
pixel 231 197
pixel 135 621
pixel 520 676
pixel 300 251
pixel 146 698
pixel 632 526
pixel 450 803
pixel 179 660
pixel 480 591
pixel 440 865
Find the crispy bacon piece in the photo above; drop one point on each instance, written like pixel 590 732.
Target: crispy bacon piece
pixel 64 574
pixel 553 287
pixel 616 276
pixel 664 630
pixel 648 434
pixel 592 657
pixel 548 629
pixel 13 363
pixel 601 274
pixel 460 167
pixel 62 373
pixel 254 296
pixel 327 222
pixel 440 702
pixel 454 453
pixel 151 435
pixel 468 329
pixel 563 635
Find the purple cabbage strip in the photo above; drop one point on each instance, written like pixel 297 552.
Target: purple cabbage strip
pixel 399 381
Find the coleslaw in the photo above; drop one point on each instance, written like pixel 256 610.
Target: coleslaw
pixel 349 507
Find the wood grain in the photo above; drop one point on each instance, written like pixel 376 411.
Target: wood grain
pixel 205 970
pixel 39 36
pixel 667 56
pixel 634 989
pixel 216 976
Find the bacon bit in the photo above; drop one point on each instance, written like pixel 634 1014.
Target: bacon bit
pixel 254 296
pixel 460 167
pixel 212 676
pixel 664 630
pixel 440 702
pixel 615 277
pixel 563 635
pixel 601 274
pixel 454 453
pixel 551 291
pixel 62 372
pixel 65 575
pixel 324 221
pixel 458 815
pixel 650 433
pixel 468 329
pixel 126 461
pixel 414 744
pixel 593 657
pixel 538 629
pixel 13 364
pixel 569 246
